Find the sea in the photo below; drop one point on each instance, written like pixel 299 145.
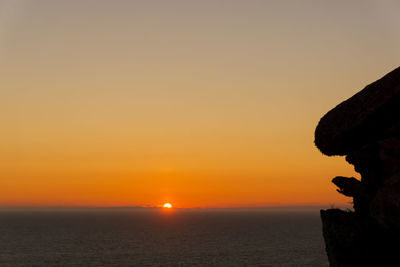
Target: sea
pixel 157 237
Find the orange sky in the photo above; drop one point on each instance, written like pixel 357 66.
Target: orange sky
pixel 201 104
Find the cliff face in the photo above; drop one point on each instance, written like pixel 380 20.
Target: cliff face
pixel 366 129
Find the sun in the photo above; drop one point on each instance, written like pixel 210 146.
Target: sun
pixel 167 205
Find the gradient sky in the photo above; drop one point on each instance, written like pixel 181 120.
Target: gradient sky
pixel 198 103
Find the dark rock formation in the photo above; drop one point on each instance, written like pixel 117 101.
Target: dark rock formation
pixel 365 128
pixel 351 187
pixel 362 118
pixel 352 240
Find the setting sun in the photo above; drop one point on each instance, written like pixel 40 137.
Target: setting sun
pixel 167 205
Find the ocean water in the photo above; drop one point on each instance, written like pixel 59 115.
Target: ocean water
pixel 152 237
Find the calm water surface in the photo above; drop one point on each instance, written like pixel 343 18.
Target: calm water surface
pixel 134 237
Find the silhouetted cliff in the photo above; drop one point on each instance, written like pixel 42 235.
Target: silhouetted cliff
pixel 365 128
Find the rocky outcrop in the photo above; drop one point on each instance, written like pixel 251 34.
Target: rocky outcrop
pixel 351 240
pixel 362 118
pixel 365 129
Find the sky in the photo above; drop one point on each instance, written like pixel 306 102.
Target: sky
pixel 196 103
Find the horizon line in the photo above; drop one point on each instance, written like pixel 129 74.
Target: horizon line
pixel 177 208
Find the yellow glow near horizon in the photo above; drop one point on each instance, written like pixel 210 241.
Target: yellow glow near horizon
pixel 167 205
